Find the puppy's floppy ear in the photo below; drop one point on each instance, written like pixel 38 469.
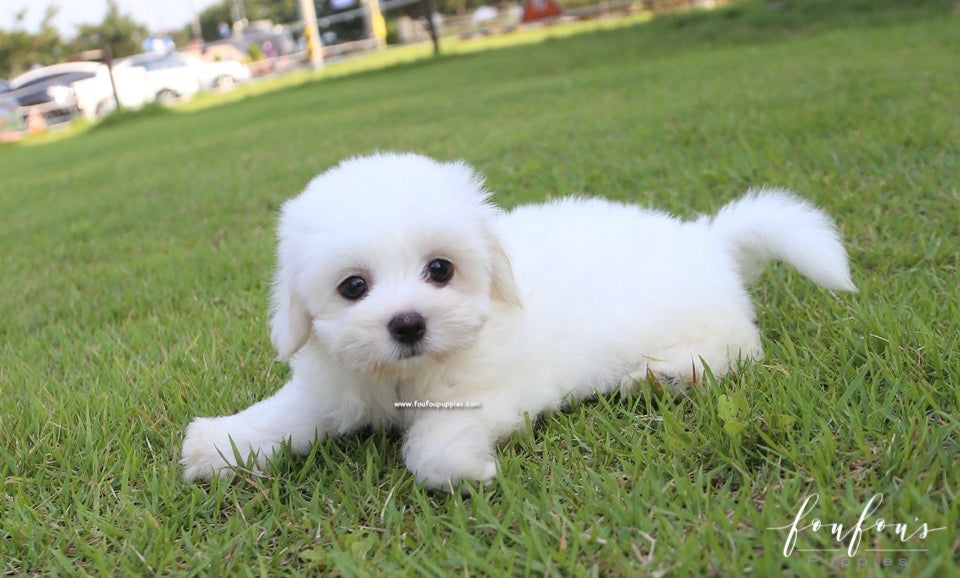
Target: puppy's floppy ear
pixel 502 285
pixel 290 321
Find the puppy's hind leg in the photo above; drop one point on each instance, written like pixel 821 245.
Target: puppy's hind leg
pixel 677 368
pixel 630 383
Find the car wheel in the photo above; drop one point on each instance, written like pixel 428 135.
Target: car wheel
pixel 166 97
pixel 224 82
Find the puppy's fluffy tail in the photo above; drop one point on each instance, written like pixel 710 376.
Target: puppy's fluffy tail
pixel 773 224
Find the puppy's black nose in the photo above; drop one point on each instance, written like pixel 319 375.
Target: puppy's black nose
pixel 408 328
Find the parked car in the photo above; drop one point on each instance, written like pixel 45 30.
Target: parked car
pixel 219 74
pixel 173 76
pixel 10 117
pixel 275 43
pixel 48 89
pixel 62 91
pixel 95 95
pixel 168 78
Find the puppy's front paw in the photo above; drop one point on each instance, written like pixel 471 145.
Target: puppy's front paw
pixel 446 473
pixel 207 451
pixel 442 459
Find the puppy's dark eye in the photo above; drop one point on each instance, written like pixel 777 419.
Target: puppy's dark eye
pixel 353 287
pixel 439 271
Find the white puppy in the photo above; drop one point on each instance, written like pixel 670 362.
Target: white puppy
pixel 399 284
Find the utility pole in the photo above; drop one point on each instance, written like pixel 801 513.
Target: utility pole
pixel 374 23
pixel 431 25
pixel 308 15
pixel 237 11
pixel 108 58
pixel 195 22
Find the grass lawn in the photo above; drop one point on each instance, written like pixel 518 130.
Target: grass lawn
pixel 136 259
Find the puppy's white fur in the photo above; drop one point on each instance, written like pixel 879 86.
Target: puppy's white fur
pixel 547 304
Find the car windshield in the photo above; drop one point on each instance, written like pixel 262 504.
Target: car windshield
pixel 154 62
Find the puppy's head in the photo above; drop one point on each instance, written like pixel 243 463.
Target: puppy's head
pixel 386 259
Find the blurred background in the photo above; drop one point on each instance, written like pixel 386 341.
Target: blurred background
pixel 63 60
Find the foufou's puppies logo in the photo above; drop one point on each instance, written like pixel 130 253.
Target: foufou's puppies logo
pixel 852 536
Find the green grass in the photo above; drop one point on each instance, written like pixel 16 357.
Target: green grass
pixel 136 261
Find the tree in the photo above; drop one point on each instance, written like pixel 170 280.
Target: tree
pixel 279 11
pixel 211 18
pixel 121 32
pixel 20 50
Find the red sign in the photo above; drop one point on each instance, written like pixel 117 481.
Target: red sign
pixel 540 9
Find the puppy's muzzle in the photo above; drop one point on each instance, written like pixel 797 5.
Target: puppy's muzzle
pixel 407 328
